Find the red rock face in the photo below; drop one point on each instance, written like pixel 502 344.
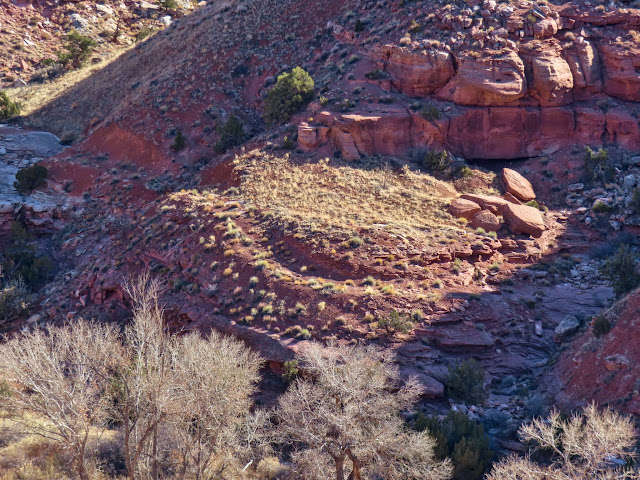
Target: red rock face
pixel 381 129
pixel 584 61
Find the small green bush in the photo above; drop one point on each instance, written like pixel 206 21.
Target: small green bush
pixel 355 242
pixel 292 91
pixel 430 113
pixel 533 203
pixel 168 5
pixel 436 161
pixel 179 142
pixel 621 270
pixel 602 207
pixel 291 370
pixel 396 322
pixel 230 134
pixel 8 108
pixel 14 299
pixel 465 383
pixel 376 75
pixel 30 178
pixel 465 172
pixel 596 165
pixel 460 439
pixel 359 27
pixel 78 49
pixel 144 33
pixel 601 326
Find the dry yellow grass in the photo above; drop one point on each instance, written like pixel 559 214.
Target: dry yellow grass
pixel 344 200
pixel 35 96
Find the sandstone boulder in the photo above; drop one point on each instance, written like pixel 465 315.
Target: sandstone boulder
pixel 307 137
pixel 511 199
pixel 486 220
pixel 417 72
pixel 616 362
pixel 524 219
pixel 568 326
pixel 517 185
pixel 547 27
pixel 461 208
pixel 584 63
pixel 487 81
pixel 487 202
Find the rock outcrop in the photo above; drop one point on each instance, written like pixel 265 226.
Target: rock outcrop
pixel 487 81
pixel 417 72
pixel 552 79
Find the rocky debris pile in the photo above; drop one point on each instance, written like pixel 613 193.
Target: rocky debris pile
pixel 483 210
pixel 617 197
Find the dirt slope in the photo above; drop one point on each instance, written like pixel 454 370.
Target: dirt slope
pixel 605 369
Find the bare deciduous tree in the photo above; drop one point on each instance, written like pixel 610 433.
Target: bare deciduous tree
pixel 142 387
pixel 584 447
pixel 343 414
pixel 187 394
pixel 213 381
pixel 58 379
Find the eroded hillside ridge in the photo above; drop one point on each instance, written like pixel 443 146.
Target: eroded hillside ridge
pixel 509 80
pixel 513 81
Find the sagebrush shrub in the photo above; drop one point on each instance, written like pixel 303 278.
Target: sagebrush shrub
pixel 436 161
pixel 601 326
pixel 396 322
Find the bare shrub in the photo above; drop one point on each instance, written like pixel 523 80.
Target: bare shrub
pixel 583 447
pixel 213 381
